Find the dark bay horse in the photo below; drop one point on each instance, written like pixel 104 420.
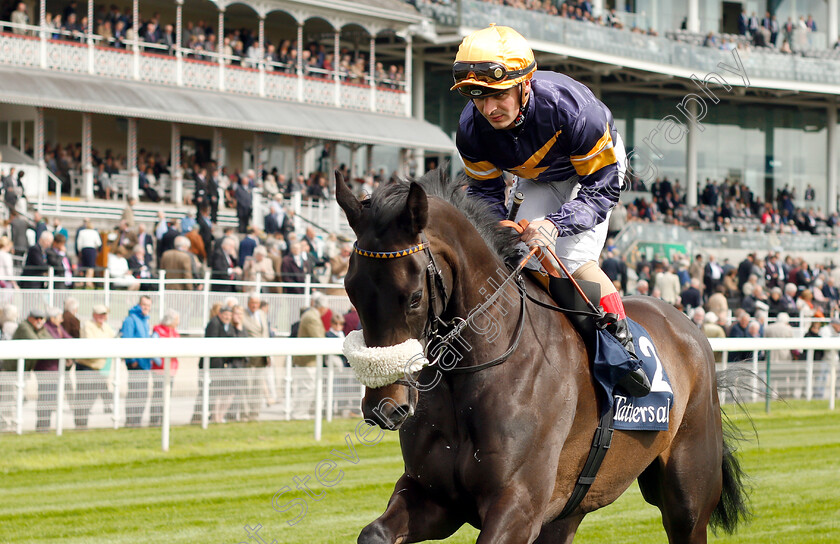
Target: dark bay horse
pixel 501 448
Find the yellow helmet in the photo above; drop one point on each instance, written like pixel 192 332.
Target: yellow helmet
pixel 492 60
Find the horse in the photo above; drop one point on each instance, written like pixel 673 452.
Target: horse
pixel 500 448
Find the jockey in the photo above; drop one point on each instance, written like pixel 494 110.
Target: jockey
pixel 561 144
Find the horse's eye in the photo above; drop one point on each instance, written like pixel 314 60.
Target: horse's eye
pixel 416 298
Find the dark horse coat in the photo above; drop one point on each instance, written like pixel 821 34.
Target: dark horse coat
pixel 501 448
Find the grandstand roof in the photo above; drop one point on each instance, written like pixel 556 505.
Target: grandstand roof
pixel 134 99
pixel 391 5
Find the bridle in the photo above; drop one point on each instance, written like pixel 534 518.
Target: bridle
pixel 438 296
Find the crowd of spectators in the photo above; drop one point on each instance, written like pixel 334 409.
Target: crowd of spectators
pixel 730 206
pixel 239 47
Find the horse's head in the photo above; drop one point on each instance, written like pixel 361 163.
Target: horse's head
pixel 396 293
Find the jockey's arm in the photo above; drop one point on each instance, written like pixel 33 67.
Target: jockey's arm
pixel 491 191
pixel 593 156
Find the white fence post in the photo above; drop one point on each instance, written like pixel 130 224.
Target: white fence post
pixel 288 387
pixel 206 296
pixel 205 394
pixel 106 280
pixel 307 291
pixel 59 399
pixel 116 415
pixel 330 390
pixel 167 402
pixel 21 383
pixel 319 395
pixel 724 358
pixel 161 293
pixel 50 286
pixel 832 385
pixel 809 374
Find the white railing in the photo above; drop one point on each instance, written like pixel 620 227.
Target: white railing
pixel 166 349
pixel 28 45
pixel 193 305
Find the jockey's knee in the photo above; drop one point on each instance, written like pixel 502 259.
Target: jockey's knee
pixel 590 271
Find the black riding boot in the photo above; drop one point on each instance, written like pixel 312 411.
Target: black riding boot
pixel 635 383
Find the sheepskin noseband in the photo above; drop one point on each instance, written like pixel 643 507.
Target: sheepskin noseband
pixel 378 367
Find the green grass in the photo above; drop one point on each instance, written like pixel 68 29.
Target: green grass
pixel 118 487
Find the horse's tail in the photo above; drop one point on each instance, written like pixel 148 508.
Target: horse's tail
pixel 733 506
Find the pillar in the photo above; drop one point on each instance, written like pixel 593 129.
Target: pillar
pixel 89 33
pixel 333 161
pixel 38 151
pixel 135 25
pixel 369 158
pixel 176 173
pixel 597 8
pixel 693 22
pixel 409 76
pixel 691 159
pixel 336 63
pixel 220 44
pixel 179 42
pixel 42 18
pixel 256 155
pixel 262 55
pixel 372 69
pixel 831 157
pixel 299 152
pixel 217 146
pixel 831 24
pixel 134 186
pixel 87 156
pixel 299 49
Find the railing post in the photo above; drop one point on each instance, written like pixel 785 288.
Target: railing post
pixel 330 391
pixel 307 290
pixel 161 293
pixel 167 402
pixel 319 395
pixel 832 385
pixel 59 399
pixel 58 188
pixel 258 283
pixel 116 384
pixel 21 383
pixel 724 358
pixel 206 296
pixel 205 394
pixel 288 387
pixel 296 206
pixel 809 374
pixel 106 280
pixel 50 286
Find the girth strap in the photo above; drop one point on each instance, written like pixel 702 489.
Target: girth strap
pixel 600 444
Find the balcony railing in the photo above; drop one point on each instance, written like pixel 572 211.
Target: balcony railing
pixel 759 64
pixel 30 46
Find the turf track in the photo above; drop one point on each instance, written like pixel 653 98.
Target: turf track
pixel 118 487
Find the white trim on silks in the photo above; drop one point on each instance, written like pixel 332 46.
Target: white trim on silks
pixel 380 366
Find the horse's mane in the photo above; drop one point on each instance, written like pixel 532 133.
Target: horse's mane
pixel 388 200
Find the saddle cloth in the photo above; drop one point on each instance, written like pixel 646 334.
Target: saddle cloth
pixel 648 413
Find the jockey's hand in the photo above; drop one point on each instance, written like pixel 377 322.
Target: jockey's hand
pixel 540 233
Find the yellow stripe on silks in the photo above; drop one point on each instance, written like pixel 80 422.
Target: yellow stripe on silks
pixel 602 154
pixel 528 169
pixel 481 170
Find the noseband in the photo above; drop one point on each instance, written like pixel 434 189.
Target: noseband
pixel 437 292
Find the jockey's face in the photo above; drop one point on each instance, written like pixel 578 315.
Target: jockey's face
pixel 501 109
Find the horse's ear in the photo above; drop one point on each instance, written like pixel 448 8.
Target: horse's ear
pixel 416 212
pixel 347 200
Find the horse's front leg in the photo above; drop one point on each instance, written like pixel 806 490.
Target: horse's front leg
pixel 411 516
pixel 514 516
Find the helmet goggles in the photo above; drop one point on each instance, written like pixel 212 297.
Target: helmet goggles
pixel 489 73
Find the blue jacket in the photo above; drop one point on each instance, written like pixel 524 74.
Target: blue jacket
pixel 136 325
pixel 567 132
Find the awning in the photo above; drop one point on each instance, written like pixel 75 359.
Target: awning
pixel 33 87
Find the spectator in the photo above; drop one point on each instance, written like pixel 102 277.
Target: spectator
pixel 244 209
pixel 712 274
pixel 19 225
pixel 691 297
pixel 255 324
pixel 147 242
pixel 642 288
pixel 48 384
pixel 59 261
pixel 351 321
pixel 36 261
pixel 311 326
pixel 205 228
pixel 70 319
pixel 197 247
pixel 293 269
pixel 88 243
pixel 20 17
pixel 260 264
pixel 717 302
pixel 32 328
pixel 167 328
pixel 336 330
pixel 140 268
pixel 136 325
pixel 248 244
pixel 813 332
pixel 6 269
pixel 180 264
pixel 740 330
pixel 90 382
pixel 8 321
pixel 278 220
pixel 697 316
pixel 127 219
pixel 780 329
pixel 118 270
pixel 224 265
